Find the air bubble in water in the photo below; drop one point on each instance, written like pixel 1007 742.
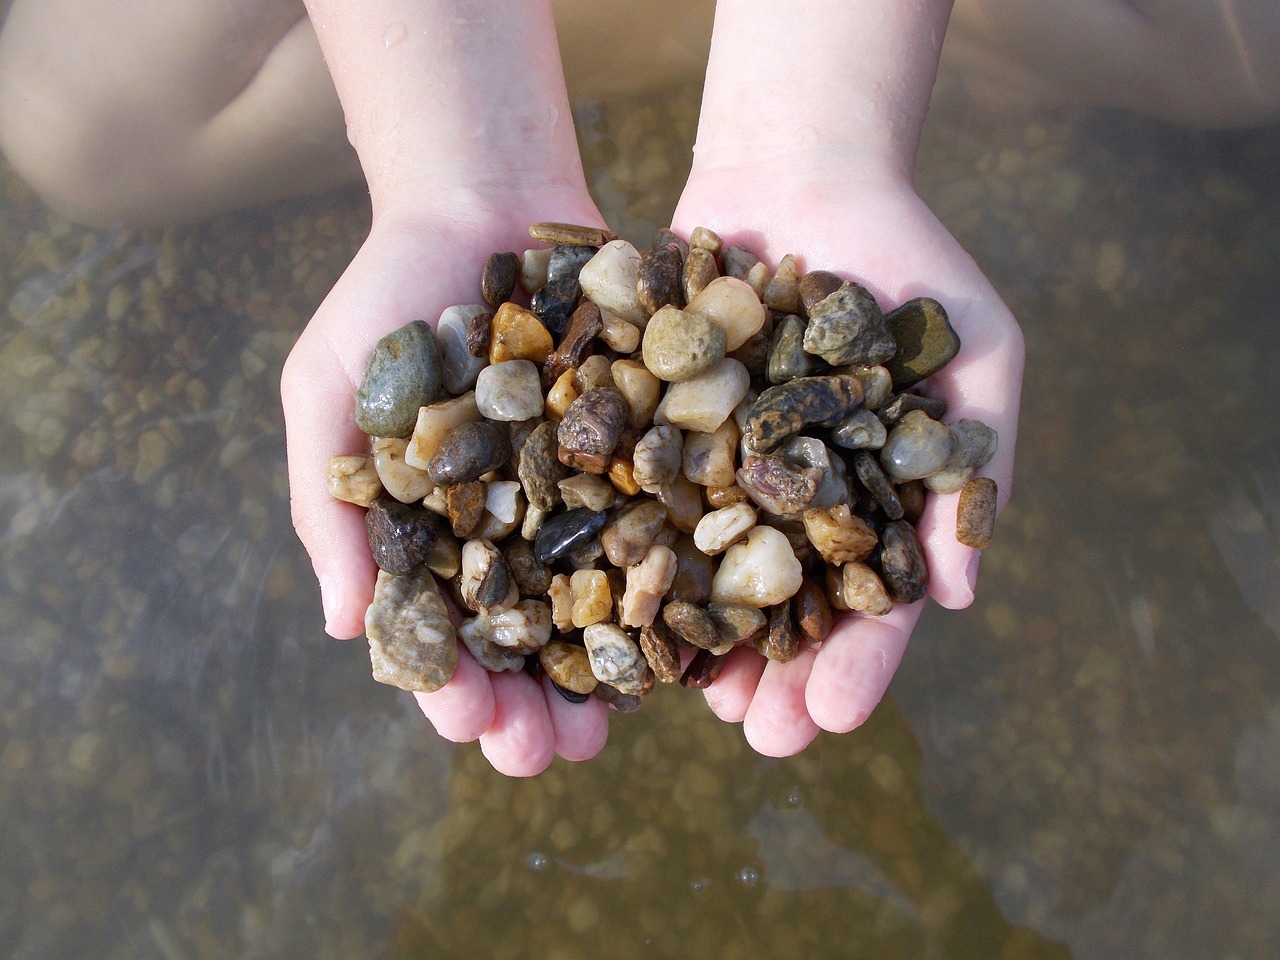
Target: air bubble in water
pixel 537 862
pixel 749 876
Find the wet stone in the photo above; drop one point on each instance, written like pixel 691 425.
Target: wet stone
pixel 533 268
pixel 479 332
pixel 699 270
pixel 561 533
pixel 470 451
pixel 518 334
pixel 640 388
pixel 412 642
pixel 708 458
pixel 594 422
pixel 665 235
pixel 658 278
pixel 815 286
pixel 404 372
pixel 459 365
pixel 498 278
pixel 592 599
pixel 354 479
pixel 873 478
pixel 406 483
pixel 465 503
pixel 812 612
pixel 646 583
pixel 567 260
pixel 861 431
pixel 661 650
pixel 975 446
pixel 725 496
pixel 777 485
pixel 838 535
pixel 703 670
pixel 584 326
pixel 877 385
pixel 693 625
pixel 733 305
pixel 706 239
pixel 627 537
pixel 911 494
pixel 736 623
pixel 784 410
pixel 619 335
pixel 848 327
pixel 787 356
pixel 783 290
pixel 863 590
pixel 553 304
pixel 576 460
pixel 616 659
pixel 917 447
pixel 694 572
pixel 595 371
pixel 812 453
pixel 677 345
pixel 780 642
pixel 568 666
pixel 539 468
pixel 902 562
pixel 925 338
pixel 509 391
pixel 401 535
pixel 554 232
pixel 625 702
pixel 586 490
pixel 902 404
pixel 976 513
pixel 475 635
pixel 532 578
pixel 486 583
pixel 683 500
pixel 759 571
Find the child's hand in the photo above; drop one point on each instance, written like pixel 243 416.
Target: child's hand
pixel 882 235
pixel 412 269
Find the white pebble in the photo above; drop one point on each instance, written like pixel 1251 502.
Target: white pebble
pixel 759 571
pixel 721 528
pixel 609 280
pixel 509 390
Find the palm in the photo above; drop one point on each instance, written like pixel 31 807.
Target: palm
pixel 884 236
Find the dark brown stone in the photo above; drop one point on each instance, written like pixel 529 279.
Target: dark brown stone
pixel 691 624
pixel 699 270
pixel 584 326
pixel 539 467
pixel 902 565
pixel 659 280
pixel 573 233
pixel 812 611
pixel 470 451
pixel 703 670
pixel 877 483
pixel 479 330
pixel 816 286
pixel 786 409
pixel 498 280
pixel 781 642
pixel 401 535
pixel 594 422
pixel 660 648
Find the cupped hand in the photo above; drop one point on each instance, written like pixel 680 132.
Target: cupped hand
pixel 412 268
pixel 877 231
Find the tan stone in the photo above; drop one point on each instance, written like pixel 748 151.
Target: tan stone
pixel 518 335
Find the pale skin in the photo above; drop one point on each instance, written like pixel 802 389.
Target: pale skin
pixel 465 137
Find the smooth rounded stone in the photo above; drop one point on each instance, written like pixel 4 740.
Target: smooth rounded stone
pixel 619 335
pixel 783 290
pixel 917 447
pixel 621 474
pixel 904 403
pixel 561 395
pixel 553 304
pixel 706 239
pixel 706 401
pixel 435 423
pixel 719 529
pixel 486 582
pixel 503 501
pixel 354 479
pixel 737 261
pixel 678 345
pixel 594 372
pixel 407 484
pixel 539 468
pixel 866 465
pixel 568 666
pixel 400 535
pixel 975 446
pixel 562 532
pixel 469 452
pixel 812 612
pixel 592 600
pixel 594 422
pixel 532 578
pixel 585 490
pixel 839 535
pixel 902 565
pixel 735 624
pixel 567 260
pixel 925 338
pixel 759 571
pixel 460 367
pixel 498 278
pixel 734 306
pixel 848 327
pixel 810 452
pixel 694 573
pixel 510 391
pixel 912 495
pixel 863 590
pixel 976 513
pixel 692 624
pixel 657 458
pixel 833 581
pixel 754 354
pixel 517 334
pixel 784 410
pixel 646 584
pixel 877 386
pixel 640 388
pixel 479 330
pixel 683 500
pixel 616 658
pixel 860 431
pixel 445 558
pixel 585 324
pixel 661 650
pixel 665 235
pixel 658 279
pixel 404 372
pixel 777 484
pixel 787 357
pixel 534 267
pixel 815 286
pixel 703 670
pixel 412 642
pixel 726 496
pixel 524 628
pixel 474 634
pixel 610 279
pixel 554 232
pixel 629 534
pixel 700 269
pixel 709 458
pixel 758 278
pixel 779 642
pixel 465 503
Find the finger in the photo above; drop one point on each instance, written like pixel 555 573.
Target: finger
pixel 853 668
pixel 521 742
pixel 580 729
pixel 730 696
pixel 463 708
pixel 777 723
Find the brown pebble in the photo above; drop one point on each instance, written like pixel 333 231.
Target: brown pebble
pixel 479 330
pixel 816 286
pixel 780 643
pixel 703 670
pixel 694 572
pixel 706 239
pixel 465 503
pixel 584 326
pixel 699 270
pixel 976 514
pixel 691 624
pixel 660 648
pixel 498 279
pixel 812 611
pixel 571 233
pixel 718 497
pixel 659 280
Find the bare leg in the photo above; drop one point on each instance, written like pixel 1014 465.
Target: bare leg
pixel 1211 63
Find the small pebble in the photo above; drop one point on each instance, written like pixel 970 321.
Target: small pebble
pixel 404 372
pixel 658 278
pixel 568 666
pixel 925 338
pixel 759 571
pixel 610 278
pixel 465 503
pixel 571 233
pixel 848 327
pixel 902 562
pixel 498 278
pixel 460 367
pixel 594 422
pixel 706 401
pixel 677 345
pixel 734 306
pixel 400 535
pixel 976 513
pixel 616 658
pixel 469 452
pixel 561 532
pixel 354 479
pixel 517 334
pixel 412 642
pixel 509 390
pixel 917 447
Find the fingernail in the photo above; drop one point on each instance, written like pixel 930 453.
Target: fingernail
pixel 971 570
pixel 330 604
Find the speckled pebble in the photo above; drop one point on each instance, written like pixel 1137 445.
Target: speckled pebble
pixel 404 372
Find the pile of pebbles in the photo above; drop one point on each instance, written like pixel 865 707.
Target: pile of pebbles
pixel 665 450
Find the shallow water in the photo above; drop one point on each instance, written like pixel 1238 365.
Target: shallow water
pixel 1085 763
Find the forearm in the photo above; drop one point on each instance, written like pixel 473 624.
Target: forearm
pixel 450 98
pixel 834 85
